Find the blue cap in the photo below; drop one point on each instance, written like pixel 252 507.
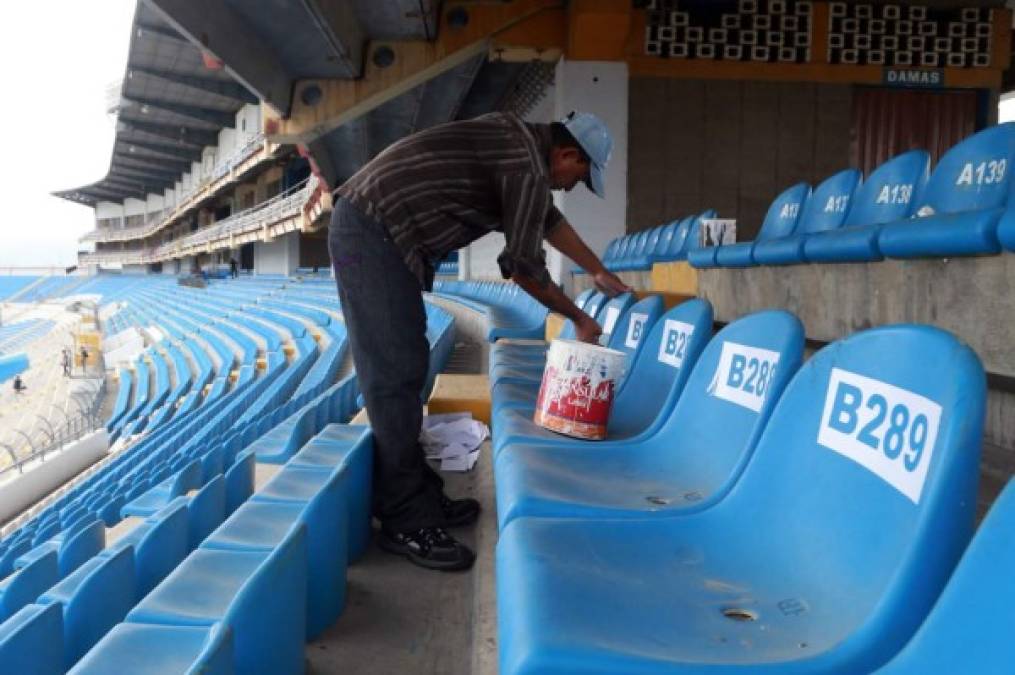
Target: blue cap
pixel 596 141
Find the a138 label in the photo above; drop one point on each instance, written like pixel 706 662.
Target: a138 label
pixel 635 330
pixel 673 346
pixel 888 430
pixel 744 375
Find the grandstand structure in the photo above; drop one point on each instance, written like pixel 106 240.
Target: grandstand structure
pixel 807 462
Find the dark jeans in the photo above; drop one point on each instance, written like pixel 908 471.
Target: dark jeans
pixel 383 306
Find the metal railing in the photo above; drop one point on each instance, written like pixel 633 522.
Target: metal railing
pixel 174 211
pixel 50 437
pixel 286 205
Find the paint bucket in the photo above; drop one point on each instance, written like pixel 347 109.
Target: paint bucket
pixel 579 383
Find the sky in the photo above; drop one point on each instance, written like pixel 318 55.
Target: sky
pixel 57 60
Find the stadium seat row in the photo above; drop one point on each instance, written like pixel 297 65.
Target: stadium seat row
pixel 766 515
pixel 510 312
pixel 899 211
pixel 665 243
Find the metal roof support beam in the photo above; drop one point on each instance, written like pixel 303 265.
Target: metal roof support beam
pixel 152 175
pixel 162 31
pixel 182 152
pixel 394 68
pixel 231 90
pixel 162 165
pixel 182 133
pixel 337 22
pixel 210 115
pixel 215 27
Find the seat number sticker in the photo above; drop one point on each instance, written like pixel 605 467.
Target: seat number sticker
pixel 635 329
pixel 744 374
pixel 888 430
pixel 612 313
pixel 673 346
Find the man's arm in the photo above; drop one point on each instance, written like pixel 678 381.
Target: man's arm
pixel 586 328
pixel 564 238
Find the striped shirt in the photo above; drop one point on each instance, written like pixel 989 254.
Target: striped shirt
pixel 440 189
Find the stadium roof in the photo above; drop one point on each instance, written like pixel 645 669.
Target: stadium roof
pixel 171 104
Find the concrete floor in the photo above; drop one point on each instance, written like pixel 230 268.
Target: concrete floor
pixel 400 618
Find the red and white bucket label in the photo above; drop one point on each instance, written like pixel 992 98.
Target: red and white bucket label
pixel 579 383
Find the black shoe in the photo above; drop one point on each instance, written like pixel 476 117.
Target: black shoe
pixel 430 547
pixel 459 511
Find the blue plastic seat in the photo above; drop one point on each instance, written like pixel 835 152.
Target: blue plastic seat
pixel 696 456
pixel 823 558
pixel 29 641
pixel 94 598
pixel 205 511
pixel 24 586
pixel 779 221
pixel 825 210
pixel 239 480
pixel 158 543
pixel 967 193
pixel 968 631
pixel 887 195
pixel 311 497
pixel 352 446
pixel 665 241
pixel 74 545
pixel 645 397
pixel 141 649
pixel 690 242
pixel 188 478
pixel 677 241
pixel 259 595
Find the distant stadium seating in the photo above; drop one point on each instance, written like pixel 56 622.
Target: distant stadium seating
pixel 511 313
pixel 233 375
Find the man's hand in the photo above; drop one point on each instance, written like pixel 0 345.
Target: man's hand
pixel 587 330
pixel 610 284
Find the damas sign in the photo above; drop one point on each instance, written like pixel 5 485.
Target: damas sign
pixel 913 77
pixel 888 430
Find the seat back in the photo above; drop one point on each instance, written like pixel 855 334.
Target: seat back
pixel 595 304
pixel 969 629
pixel 783 214
pixel 652 241
pixel 162 547
pixel 869 464
pixel 889 192
pixel 27 584
pixel 634 325
pixel 679 237
pixel 662 245
pixel 973 175
pixel 660 369
pixel 729 396
pixel 611 313
pixel 206 510
pixel 693 232
pixel 30 641
pixel 828 205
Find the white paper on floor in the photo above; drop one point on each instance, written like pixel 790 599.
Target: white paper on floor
pixel 453 438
